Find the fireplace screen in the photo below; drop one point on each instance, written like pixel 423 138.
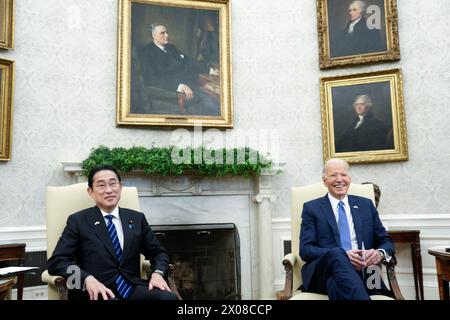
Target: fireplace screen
pixel 206 257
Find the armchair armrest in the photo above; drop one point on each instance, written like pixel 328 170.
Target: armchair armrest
pixel 58 282
pixel 393 284
pixel 290 258
pixel 171 281
pixel 288 262
pixel 147 269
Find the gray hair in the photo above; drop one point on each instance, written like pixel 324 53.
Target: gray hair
pixel 361 5
pixel 153 27
pixel 366 99
pixel 334 161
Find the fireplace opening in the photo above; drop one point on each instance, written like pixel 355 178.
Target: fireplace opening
pixel 206 257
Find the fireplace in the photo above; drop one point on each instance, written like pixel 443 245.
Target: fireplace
pixel 206 257
pixel 244 202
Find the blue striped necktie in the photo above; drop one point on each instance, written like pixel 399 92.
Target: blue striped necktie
pixel 344 229
pixel 123 286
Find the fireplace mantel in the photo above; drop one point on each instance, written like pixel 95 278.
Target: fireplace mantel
pixel 247 202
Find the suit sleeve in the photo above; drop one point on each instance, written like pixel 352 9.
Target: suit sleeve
pixel 153 249
pixel 64 255
pixel 309 249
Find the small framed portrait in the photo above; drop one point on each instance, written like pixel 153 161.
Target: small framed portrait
pixel 6 107
pixel 174 63
pixel 363 117
pixel 354 32
pixel 7 24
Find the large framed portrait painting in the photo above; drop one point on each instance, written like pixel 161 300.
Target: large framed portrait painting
pixel 357 31
pixel 174 63
pixel 6 107
pixel 363 117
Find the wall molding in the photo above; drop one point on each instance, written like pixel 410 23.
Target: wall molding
pixel 35 237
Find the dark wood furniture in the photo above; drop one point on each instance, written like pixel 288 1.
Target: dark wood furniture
pixel 443 269
pixel 5 286
pixel 412 237
pixel 14 253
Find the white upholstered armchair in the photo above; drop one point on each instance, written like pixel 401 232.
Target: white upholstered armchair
pixel 292 261
pixel 65 200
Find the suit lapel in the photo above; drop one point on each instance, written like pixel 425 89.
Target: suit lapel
pixel 127 224
pixel 357 221
pixel 328 212
pixel 95 218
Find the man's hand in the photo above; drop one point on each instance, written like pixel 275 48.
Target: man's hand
pixel 94 288
pixel 157 281
pixel 186 90
pixel 373 257
pixel 356 259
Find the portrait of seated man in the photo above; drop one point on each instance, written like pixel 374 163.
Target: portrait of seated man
pixel 357 37
pixel 365 132
pixel 164 66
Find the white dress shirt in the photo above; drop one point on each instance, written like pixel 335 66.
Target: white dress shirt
pixel 335 205
pixel 361 120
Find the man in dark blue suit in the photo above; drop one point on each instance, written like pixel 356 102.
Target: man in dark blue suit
pixel 105 242
pixel 340 236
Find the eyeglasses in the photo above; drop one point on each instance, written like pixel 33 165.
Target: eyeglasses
pixel 102 186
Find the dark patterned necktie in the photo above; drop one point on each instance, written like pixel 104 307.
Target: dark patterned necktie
pixel 123 286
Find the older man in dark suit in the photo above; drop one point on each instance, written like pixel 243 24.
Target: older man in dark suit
pixel 340 235
pixel 166 67
pixel 105 242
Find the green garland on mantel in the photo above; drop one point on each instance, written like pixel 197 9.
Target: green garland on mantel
pixel 158 161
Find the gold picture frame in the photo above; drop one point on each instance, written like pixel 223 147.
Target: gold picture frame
pixel 363 117
pixel 153 72
pixel 7 24
pixel 6 107
pixel 347 37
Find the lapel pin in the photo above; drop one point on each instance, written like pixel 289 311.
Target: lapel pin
pixel 96 223
pixel 130 224
pixel 355 207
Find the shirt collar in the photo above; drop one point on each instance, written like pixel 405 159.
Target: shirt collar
pixel 161 47
pixel 334 202
pixel 114 213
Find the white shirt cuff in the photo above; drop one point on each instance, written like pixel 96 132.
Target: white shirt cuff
pixel 387 257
